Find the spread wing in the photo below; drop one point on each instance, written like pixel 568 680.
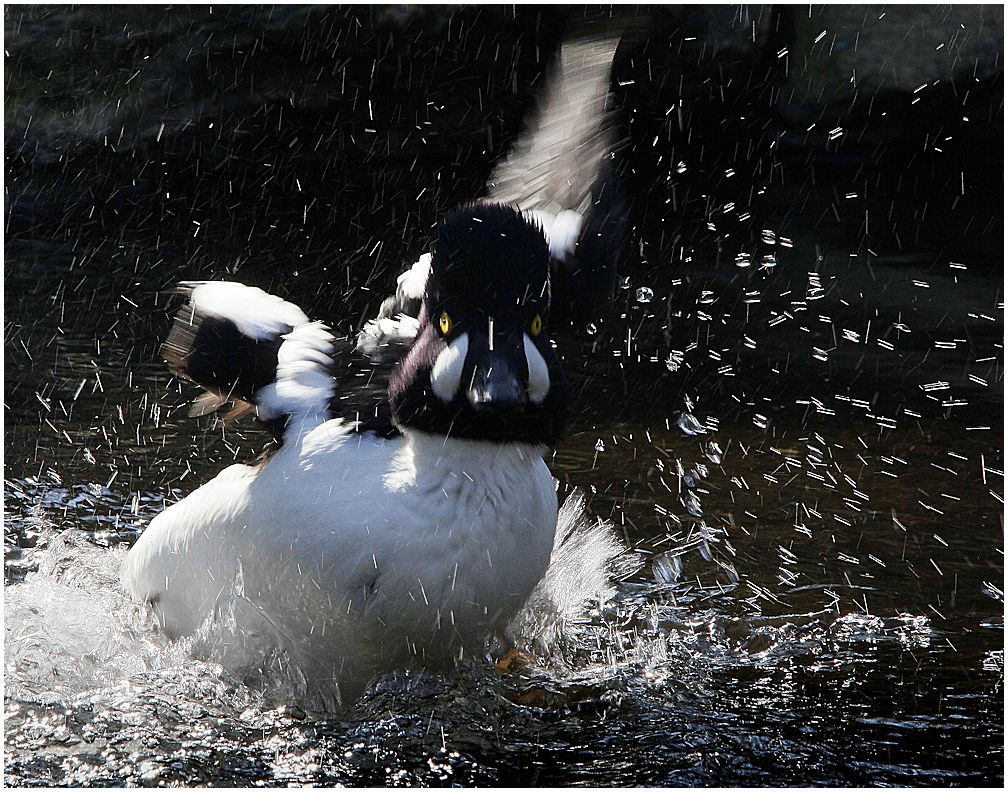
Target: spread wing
pixel 560 172
pixel 262 354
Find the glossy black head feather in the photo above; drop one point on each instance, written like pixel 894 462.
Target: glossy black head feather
pixel 489 283
pixel 490 257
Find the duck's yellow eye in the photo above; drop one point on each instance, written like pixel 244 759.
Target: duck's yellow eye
pixel 536 326
pixel 446 323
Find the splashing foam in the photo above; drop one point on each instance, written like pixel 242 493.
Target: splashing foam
pixel 68 626
pixel 73 634
pixel 586 562
pixel 71 630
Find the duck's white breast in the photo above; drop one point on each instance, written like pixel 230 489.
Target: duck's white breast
pixel 353 549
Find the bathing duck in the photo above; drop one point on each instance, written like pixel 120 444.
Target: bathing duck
pixel 363 546
pixel 350 546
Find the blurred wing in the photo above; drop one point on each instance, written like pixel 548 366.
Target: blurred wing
pixel 254 349
pixel 556 172
pixel 386 338
pixel 554 165
pixel 226 339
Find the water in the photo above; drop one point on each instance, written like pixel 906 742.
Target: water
pixel 804 453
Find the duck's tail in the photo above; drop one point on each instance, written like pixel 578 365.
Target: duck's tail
pixel 254 349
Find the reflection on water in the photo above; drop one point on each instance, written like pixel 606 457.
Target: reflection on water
pixel 795 426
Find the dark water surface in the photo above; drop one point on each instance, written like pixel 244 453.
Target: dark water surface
pixel 791 410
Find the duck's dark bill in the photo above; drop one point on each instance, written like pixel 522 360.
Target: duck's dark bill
pixel 495 386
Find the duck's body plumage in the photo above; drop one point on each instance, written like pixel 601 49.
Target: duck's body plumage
pixel 398 551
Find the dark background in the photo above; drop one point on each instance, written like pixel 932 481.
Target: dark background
pixel 815 277
pixel 310 150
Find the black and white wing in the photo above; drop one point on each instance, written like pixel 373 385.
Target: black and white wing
pixel 554 167
pixel 256 350
pixel 386 338
pixel 561 173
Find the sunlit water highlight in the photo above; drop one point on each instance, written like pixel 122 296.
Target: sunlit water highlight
pixel 706 667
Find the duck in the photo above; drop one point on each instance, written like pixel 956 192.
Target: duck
pixel 359 546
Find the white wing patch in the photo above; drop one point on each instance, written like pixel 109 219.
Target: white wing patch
pixel 304 383
pixel 383 332
pixel 562 230
pixel 392 331
pixel 256 314
pixel 414 280
pixel 538 373
pixel 447 370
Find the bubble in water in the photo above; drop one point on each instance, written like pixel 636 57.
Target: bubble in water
pixel 644 295
pixel 625 283
pixel 681 167
pixel 599 446
pixel 591 329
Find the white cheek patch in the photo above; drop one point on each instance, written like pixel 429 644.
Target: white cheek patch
pixel 447 370
pixel 538 373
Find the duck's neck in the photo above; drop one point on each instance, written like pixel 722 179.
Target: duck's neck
pixel 472 474
pixel 440 450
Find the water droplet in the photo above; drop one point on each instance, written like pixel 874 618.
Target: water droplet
pixel 705 550
pixel 689 425
pixel 599 446
pixel 666 568
pixel 591 329
pixel 692 502
pixel 644 295
pixel 625 283
pixel 714 453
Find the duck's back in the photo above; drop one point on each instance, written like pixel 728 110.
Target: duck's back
pixel 355 549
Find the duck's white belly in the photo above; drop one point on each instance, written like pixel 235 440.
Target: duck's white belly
pixel 351 549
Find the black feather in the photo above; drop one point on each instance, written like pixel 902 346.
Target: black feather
pixel 213 353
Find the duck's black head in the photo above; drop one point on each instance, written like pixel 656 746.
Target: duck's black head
pixel 482 365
